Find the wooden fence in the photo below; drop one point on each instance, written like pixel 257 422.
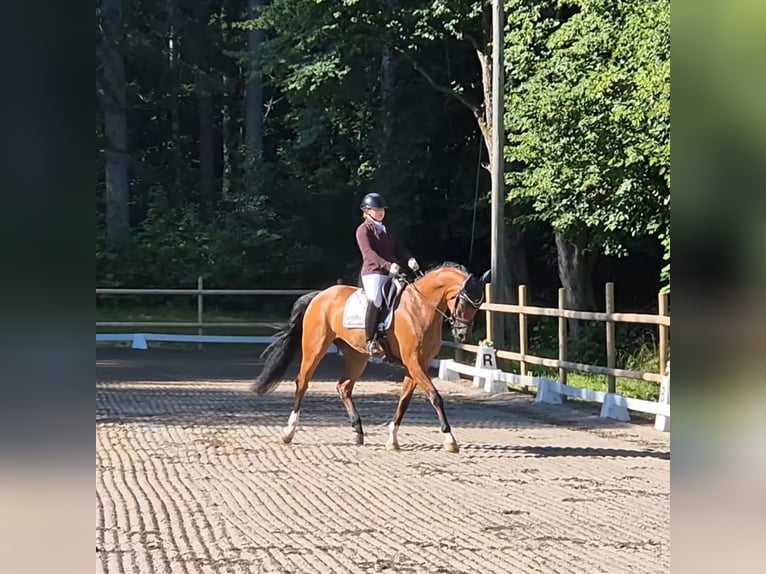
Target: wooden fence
pixel 200 293
pixel 613 405
pixel 609 317
pixel 522 310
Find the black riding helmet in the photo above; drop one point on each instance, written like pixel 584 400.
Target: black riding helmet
pixel 373 201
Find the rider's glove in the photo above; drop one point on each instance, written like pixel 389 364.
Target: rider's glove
pixel 412 264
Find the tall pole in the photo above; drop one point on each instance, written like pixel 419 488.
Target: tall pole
pixel 498 171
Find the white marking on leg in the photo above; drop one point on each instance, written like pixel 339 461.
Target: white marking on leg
pixel 450 444
pixel 392 430
pixel 292 423
pixel 392 441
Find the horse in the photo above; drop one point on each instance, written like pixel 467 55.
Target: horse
pixel 447 292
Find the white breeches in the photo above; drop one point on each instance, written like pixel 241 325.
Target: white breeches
pixel 373 288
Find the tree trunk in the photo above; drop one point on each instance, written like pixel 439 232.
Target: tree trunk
pixel 516 250
pixel 254 89
pixel 387 82
pixel 206 149
pixel 387 89
pixel 228 138
pixel 576 262
pixel 229 132
pixel 115 124
pixel 175 121
pixel 206 81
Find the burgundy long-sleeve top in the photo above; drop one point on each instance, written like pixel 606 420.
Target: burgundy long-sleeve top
pixel 379 248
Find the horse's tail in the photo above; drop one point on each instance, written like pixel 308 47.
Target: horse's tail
pixel 279 353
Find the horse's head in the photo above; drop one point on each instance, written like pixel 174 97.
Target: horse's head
pixel 463 302
pixel 451 285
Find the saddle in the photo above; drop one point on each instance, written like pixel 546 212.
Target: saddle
pixel 355 308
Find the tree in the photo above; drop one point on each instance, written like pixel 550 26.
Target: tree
pixel 364 94
pixel 589 130
pixel 464 25
pixel 254 89
pixel 205 87
pixel 112 92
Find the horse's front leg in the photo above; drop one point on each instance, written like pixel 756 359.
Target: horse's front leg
pixel 450 444
pixel 420 375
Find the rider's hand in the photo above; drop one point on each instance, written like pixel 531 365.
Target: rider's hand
pixel 413 264
pixel 394 269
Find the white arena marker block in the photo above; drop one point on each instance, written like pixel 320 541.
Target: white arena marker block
pixel 485 359
pixel 614 407
pixel 445 374
pixel 494 382
pixel 442 370
pixel 661 422
pixel 546 393
pixel 139 342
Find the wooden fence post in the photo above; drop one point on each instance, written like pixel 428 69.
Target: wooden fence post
pixel 562 337
pixel 611 350
pixel 522 329
pixel 200 308
pixel 664 332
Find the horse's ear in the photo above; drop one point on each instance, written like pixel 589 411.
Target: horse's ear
pixel 487 276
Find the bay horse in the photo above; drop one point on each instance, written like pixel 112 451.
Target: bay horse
pixel 447 292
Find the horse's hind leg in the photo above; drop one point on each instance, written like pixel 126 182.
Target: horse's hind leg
pixel 404 401
pixel 354 364
pixel 314 348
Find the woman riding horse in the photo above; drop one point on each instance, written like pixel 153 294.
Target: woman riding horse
pixel 382 255
pixel 447 292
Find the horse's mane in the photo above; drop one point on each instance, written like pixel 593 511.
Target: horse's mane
pixel 446 264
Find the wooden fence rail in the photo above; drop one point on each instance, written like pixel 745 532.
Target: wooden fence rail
pixel 582 315
pixel 200 292
pixel 610 317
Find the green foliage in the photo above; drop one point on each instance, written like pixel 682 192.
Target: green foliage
pixel 587 114
pixel 635 344
pixel 235 247
pixel 589 120
pixel 630 388
pixel 665 274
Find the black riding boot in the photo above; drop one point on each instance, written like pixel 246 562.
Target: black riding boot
pixel 371 328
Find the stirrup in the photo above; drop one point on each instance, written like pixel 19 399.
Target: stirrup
pixel 374 349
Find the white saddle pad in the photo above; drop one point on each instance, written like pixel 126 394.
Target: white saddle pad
pixel 355 311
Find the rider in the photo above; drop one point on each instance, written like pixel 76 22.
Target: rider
pixel 382 254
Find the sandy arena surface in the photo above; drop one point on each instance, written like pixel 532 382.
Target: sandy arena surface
pixel 191 476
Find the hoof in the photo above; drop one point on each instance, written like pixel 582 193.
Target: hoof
pixel 451 447
pixel 287 438
pixel 392 446
pixel 359 439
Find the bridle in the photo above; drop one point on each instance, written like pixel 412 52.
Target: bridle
pixel 450 317
pixel 462 295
